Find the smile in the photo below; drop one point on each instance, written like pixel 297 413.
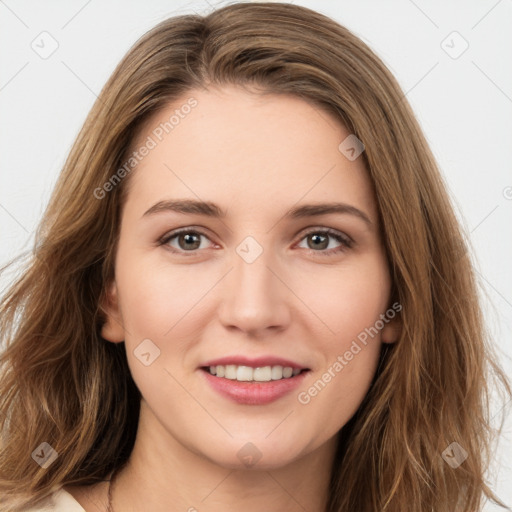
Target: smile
pixel 248 374
pixel 253 381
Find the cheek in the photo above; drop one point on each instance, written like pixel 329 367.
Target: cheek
pixel 161 304
pixel 349 305
pixel 330 399
pixel 346 299
pixel 158 300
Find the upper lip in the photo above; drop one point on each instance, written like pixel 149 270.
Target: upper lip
pixel 257 362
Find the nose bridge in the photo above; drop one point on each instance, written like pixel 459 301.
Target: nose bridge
pixel 251 272
pixel 255 298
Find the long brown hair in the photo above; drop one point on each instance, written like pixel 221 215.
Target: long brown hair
pixel 62 384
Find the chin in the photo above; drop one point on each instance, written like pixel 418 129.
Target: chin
pixel 265 454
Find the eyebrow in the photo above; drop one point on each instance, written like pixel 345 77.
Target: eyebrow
pixel 209 209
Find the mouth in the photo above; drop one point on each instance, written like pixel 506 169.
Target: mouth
pixel 253 382
pixel 243 373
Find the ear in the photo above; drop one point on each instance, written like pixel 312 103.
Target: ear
pixel 113 328
pixel 392 330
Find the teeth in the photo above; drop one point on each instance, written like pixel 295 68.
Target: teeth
pixel 244 373
pixel 262 374
pixel 230 372
pixel 276 372
pixel 249 374
pixel 287 372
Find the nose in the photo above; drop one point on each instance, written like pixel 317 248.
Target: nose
pixel 255 298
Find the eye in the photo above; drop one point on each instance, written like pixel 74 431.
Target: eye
pixel 320 241
pixel 188 240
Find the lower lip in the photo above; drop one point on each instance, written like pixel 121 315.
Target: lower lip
pixel 253 393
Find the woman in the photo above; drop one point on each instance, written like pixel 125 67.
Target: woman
pixel 319 346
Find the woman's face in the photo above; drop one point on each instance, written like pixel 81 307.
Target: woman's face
pixel 248 283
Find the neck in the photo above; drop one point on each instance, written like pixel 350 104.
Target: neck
pixel 163 475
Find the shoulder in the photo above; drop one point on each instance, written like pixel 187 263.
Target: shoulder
pixel 59 501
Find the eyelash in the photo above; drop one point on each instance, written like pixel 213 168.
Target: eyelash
pixel 345 241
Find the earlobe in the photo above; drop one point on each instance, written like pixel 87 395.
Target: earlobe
pixel 392 330
pixel 113 328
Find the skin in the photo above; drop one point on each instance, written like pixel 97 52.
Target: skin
pixel 256 157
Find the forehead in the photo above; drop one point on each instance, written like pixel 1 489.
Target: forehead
pixel 239 148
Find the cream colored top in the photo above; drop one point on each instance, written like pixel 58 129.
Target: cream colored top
pixel 59 501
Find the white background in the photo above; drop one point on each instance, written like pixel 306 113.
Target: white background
pixel 464 105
